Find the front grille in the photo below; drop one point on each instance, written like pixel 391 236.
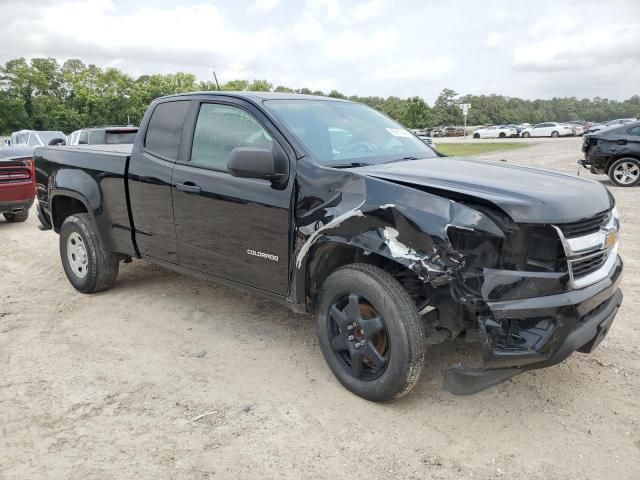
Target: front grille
pixel 584 227
pixel 589 264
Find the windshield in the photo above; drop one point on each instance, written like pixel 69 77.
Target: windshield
pixel 341 133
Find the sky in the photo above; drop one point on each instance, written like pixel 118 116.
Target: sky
pixel 529 49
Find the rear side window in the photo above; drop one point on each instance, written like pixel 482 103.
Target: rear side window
pixel 165 129
pixel 120 137
pixel 220 129
pixel 634 130
pixel 96 137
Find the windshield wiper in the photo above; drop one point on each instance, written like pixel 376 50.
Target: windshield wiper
pixel 402 159
pixel 348 165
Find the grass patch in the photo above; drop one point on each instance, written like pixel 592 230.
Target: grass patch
pixel 478 148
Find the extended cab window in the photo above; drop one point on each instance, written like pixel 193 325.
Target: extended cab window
pixel 220 129
pixel 165 129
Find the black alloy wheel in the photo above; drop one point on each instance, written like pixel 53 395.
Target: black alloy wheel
pixel 360 339
pixel 370 332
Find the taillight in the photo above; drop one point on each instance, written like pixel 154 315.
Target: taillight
pixel 18 173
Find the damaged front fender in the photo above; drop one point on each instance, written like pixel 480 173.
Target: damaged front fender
pixel 407 226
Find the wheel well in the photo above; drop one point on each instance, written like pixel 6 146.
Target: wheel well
pixel 63 207
pixel 330 256
pixel 616 158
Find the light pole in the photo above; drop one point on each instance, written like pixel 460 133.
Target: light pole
pixel 465 110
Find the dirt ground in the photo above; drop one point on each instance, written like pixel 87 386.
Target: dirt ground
pixel 115 385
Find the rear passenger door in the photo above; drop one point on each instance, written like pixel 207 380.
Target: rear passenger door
pixel 150 171
pixel 231 227
pixel 624 141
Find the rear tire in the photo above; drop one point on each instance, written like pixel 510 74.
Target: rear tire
pixel 17 217
pixel 502 135
pixel 89 266
pixel 625 172
pixel 390 358
pixel 526 135
pixel 476 135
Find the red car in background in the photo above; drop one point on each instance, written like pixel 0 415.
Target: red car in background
pixel 17 182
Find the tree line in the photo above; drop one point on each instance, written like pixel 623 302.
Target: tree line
pixel 41 94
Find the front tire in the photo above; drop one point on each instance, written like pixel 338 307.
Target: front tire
pixel 502 135
pixel 89 266
pixel 625 172
pixel 371 334
pixel 476 136
pixel 526 135
pixel 555 134
pixel 17 217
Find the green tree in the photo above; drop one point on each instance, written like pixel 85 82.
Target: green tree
pixel 416 113
pixel 260 86
pixel 43 94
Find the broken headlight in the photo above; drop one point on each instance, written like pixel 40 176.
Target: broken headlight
pixel 479 249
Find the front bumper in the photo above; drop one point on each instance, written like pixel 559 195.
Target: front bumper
pixel 540 332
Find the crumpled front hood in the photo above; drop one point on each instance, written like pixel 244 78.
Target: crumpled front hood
pixel 527 195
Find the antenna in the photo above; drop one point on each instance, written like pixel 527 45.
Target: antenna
pixel 216 79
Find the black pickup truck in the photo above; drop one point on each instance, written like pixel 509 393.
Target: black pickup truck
pixel 334 209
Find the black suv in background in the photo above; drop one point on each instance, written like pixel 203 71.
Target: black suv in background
pixel 614 152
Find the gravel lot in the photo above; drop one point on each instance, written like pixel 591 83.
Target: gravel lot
pixel 114 385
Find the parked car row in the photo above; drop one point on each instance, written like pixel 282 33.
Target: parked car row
pixel 18 183
pixel 86 136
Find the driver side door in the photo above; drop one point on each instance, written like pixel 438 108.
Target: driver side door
pixel 231 227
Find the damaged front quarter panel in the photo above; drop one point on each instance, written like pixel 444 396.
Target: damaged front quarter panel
pixel 399 223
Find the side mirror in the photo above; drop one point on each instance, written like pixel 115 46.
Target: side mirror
pixel 258 163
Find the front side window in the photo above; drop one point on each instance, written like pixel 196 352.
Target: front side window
pixel 339 133
pixel 165 129
pixel 220 129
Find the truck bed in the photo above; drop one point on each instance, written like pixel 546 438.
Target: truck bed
pixel 104 166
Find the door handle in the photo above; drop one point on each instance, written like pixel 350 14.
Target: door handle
pixel 622 141
pixel 188 187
